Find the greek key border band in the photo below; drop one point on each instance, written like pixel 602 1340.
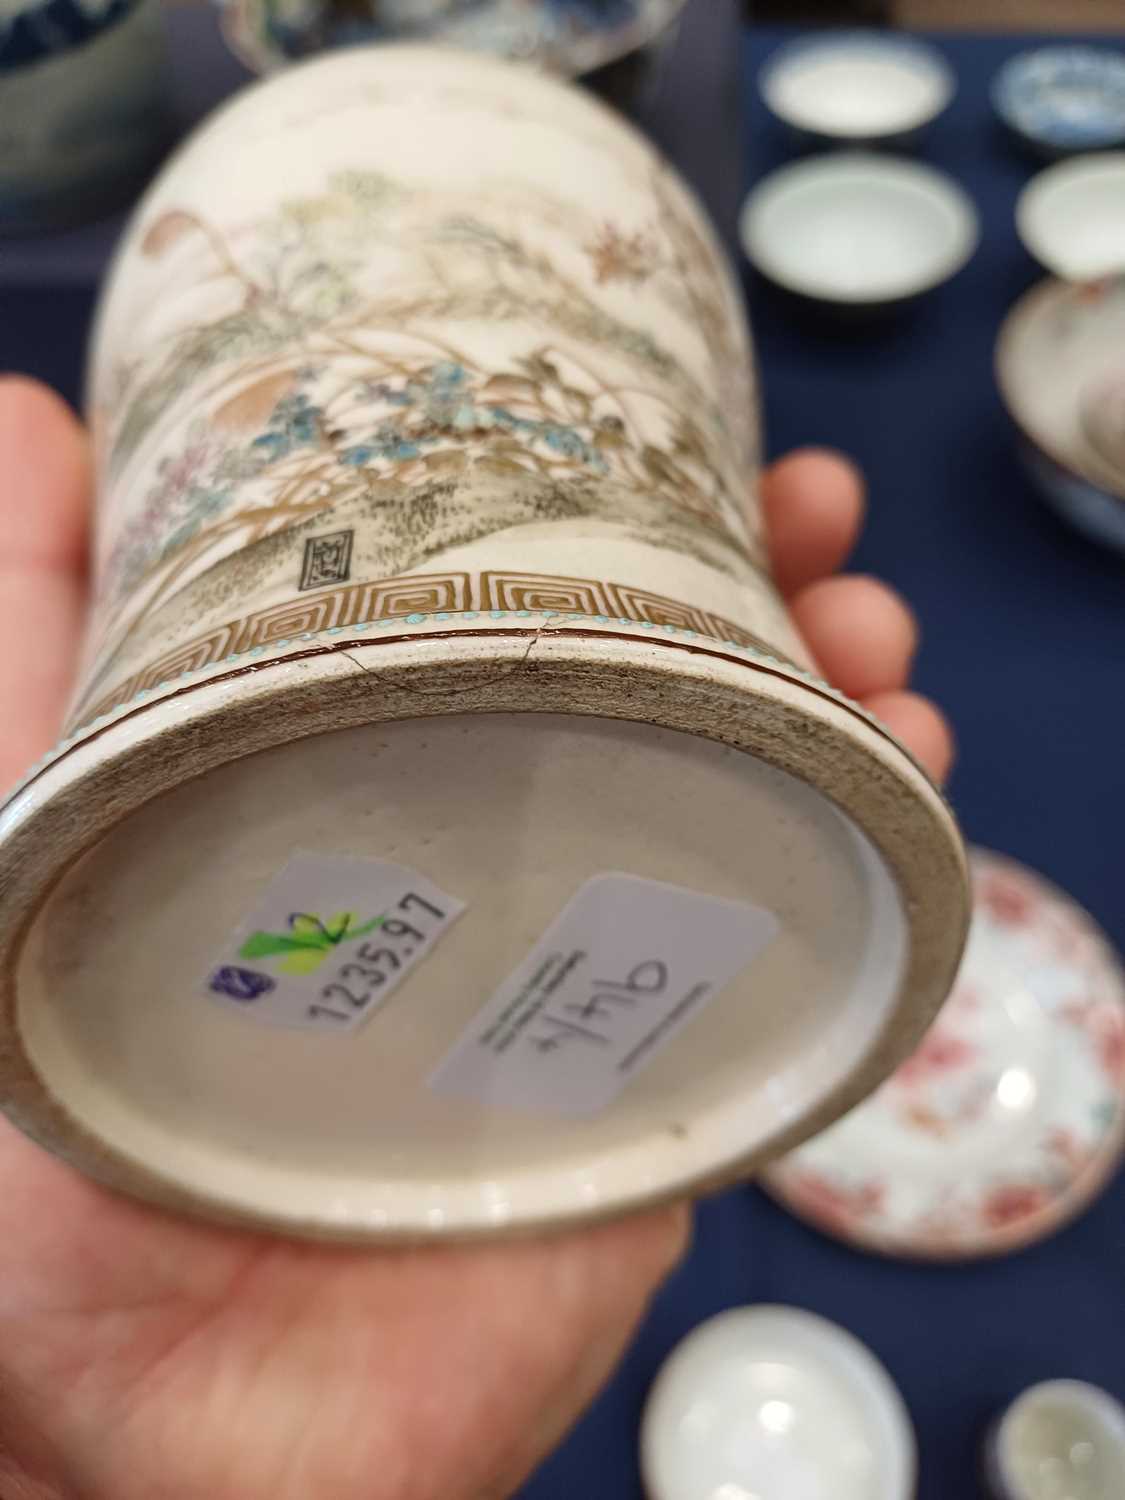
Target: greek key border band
pixel 420 593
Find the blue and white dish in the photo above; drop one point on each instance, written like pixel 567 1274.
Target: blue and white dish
pixel 1059 100
pixel 1060 366
pixel 1061 1437
pixel 857 87
pixel 570 37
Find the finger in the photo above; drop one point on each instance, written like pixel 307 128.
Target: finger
pixel 44 497
pixel 860 631
pixel 813 505
pixel 919 724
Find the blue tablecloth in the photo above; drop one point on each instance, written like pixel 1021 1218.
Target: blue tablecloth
pixel 1024 641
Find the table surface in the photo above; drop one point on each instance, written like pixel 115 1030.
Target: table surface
pixel 1023 627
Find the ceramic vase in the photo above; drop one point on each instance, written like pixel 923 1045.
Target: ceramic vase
pixel 451 835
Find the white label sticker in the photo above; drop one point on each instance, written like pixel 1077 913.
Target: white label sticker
pixel 626 965
pixel 329 942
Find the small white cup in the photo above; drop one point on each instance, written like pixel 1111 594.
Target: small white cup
pixel 775 1403
pixel 1061 1440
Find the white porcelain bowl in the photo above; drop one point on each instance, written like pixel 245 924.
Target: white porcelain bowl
pixel 857 86
pixel 1071 217
pixel 775 1403
pixel 1061 1440
pixel 857 228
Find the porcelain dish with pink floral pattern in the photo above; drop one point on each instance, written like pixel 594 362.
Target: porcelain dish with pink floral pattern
pixel 1009 1118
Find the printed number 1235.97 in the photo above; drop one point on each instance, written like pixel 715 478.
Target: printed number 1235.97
pixel 359 980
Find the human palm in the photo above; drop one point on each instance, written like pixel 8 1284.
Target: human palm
pixel 146 1357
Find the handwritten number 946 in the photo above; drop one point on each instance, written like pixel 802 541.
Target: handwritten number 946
pixel 591 1019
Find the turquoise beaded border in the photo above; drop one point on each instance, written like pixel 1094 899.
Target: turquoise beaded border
pixel 277 651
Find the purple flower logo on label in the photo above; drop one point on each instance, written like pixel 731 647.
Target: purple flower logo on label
pixel 290 963
pixel 244 985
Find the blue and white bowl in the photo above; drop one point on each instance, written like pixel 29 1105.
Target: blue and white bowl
pixel 857 88
pixel 1058 100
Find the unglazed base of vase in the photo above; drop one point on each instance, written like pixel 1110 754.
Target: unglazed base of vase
pixel 508 763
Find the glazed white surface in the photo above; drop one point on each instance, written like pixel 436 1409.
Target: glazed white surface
pixel 858 228
pixel 1071 216
pixel 775 1403
pixel 1062 1440
pixel 851 91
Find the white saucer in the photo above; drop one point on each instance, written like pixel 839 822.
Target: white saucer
pixel 1063 1438
pixel 1011 1115
pixel 857 86
pixel 1071 217
pixel 858 228
pixel 773 1403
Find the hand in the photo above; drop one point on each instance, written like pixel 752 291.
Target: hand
pixel 143 1355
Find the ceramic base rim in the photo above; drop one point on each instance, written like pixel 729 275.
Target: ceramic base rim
pixel 101 777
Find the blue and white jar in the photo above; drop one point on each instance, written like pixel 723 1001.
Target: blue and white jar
pixel 82 108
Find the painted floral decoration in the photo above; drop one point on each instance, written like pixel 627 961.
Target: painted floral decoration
pixel 425 363
pixel 1012 1111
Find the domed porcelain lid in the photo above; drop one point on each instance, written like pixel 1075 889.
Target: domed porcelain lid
pixel 1011 1115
